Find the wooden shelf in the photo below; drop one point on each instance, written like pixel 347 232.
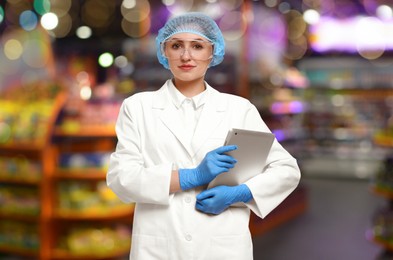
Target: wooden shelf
pixel 20 147
pixel 59 254
pixel 41 150
pixel 87 131
pixel 19 217
pixel 24 252
pixel 107 214
pixel 383 192
pixel 383 139
pixel 81 174
pixel 20 180
pixel 383 243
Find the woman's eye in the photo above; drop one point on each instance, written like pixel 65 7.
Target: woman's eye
pixel 198 46
pixel 176 46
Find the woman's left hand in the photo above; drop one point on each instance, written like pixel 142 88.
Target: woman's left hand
pixel 218 199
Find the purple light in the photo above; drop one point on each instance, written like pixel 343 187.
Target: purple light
pixel 279 134
pixel 351 34
pixel 293 107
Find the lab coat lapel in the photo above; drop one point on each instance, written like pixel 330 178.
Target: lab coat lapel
pixel 212 115
pixel 170 117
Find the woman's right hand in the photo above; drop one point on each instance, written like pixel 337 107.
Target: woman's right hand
pixel 214 163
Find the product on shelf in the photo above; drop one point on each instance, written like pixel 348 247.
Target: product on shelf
pixel 22 201
pixel 20 168
pixel 88 198
pixel 96 240
pixel 19 235
pixel 101 114
pixel 22 121
pixel 26 111
pixel 84 160
pixel 383 225
pixel 384 176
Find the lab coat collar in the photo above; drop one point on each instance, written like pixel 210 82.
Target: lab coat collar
pixel 162 99
pixel 211 116
pixel 178 98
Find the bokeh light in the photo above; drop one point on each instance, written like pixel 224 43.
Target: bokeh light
pixel 28 20
pixel 232 22
pixel 271 3
pixel 35 53
pixel 85 92
pixel 384 12
pixel 372 45
pixel 49 21
pixel 296 28
pixel 121 61
pixel 60 7
pixel 42 6
pixel 135 11
pixel 129 4
pixel 297 49
pixel 180 7
pixel 105 60
pixel 1 14
pixel 64 26
pixel 136 30
pixel 13 49
pixel 168 2
pixel 98 13
pixel 213 10
pixel 284 7
pixel 13 11
pixel 84 32
pixel 230 5
pixel 311 16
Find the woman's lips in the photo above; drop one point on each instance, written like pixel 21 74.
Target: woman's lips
pixel 186 67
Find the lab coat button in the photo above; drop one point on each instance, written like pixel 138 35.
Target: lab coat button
pixel 187 199
pixel 188 237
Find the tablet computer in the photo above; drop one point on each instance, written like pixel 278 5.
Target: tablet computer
pixel 251 155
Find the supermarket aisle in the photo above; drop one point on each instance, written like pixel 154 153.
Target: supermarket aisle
pixel 333 227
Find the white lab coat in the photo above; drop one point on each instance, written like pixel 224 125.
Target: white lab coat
pixel 151 142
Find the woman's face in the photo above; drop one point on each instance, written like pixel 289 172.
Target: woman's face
pixel 188 55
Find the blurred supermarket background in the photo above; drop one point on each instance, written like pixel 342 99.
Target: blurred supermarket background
pixel 320 72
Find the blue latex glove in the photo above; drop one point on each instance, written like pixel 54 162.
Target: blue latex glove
pixel 214 163
pixel 218 199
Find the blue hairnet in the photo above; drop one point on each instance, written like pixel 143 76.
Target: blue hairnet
pixel 196 23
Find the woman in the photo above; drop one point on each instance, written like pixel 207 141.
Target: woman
pixel 170 147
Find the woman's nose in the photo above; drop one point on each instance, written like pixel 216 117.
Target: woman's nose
pixel 186 55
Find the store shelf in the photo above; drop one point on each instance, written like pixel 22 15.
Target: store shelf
pixel 20 180
pixel 383 139
pixel 80 174
pixel 59 254
pixel 382 186
pixel 30 253
pixel 19 217
pixel 87 131
pixel 20 147
pixel 81 197
pixel 385 192
pixel 95 215
pixel 381 242
pixel 28 162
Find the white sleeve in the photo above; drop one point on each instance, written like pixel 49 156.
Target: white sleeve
pixel 279 178
pixel 127 176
